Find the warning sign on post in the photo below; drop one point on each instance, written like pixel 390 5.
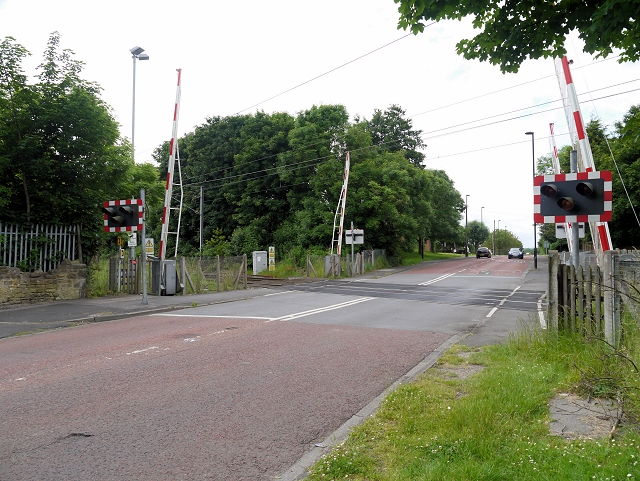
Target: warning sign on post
pixel 133 240
pixel 148 246
pixel 272 258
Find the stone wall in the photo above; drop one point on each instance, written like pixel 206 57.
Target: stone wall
pixel 67 281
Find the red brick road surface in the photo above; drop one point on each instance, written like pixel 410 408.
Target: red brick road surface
pixel 197 398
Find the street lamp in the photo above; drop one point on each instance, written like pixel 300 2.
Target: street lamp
pixel 466 231
pixel 481 215
pixel 136 54
pixel 535 227
pixel 498 239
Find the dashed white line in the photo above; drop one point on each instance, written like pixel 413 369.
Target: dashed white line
pixel 504 299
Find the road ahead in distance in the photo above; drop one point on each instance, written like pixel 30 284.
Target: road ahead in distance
pixel 239 390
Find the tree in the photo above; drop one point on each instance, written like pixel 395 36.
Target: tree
pixel 625 147
pixel 515 30
pixel 447 208
pixel 392 132
pixel 478 233
pixel 504 240
pixel 61 155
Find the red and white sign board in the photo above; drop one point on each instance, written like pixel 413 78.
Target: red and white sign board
pixel 605 216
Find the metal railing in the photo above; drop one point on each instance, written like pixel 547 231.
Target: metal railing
pixel 37 247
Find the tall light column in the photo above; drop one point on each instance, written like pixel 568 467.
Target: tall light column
pixel 136 54
pixel 535 227
pixel 466 231
pixel 481 215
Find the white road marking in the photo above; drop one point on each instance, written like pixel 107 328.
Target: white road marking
pixel 277 293
pixel 543 322
pixel 504 299
pixel 143 350
pixel 318 310
pixel 433 281
pixel 169 314
pixel 288 317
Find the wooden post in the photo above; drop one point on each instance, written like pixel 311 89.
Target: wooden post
pixel 608 284
pixel 183 275
pixel 565 296
pixel 580 307
pixel 552 308
pixel 589 300
pixel 244 273
pixel 598 314
pixel 218 273
pixel 572 297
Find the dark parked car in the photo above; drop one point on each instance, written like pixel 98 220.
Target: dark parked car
pixel 483 252
pixel 516 252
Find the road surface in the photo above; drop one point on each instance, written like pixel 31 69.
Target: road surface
pixel 240 390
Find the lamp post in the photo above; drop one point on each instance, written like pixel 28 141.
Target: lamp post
pixel 498 239
pixel 535 227
pixel 466 231
pixel 136 54
pixel 481 215
pixel 493 237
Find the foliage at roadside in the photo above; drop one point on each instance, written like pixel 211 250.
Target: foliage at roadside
pixel 511 32
pixel 478 234
pixel 275 179
pixel 495 423
pixel 61 154
pixel 412 258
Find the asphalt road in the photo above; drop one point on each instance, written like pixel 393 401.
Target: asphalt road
pixel 241 390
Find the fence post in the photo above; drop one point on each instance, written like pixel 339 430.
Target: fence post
pixel 218 273
pixel 244 273
pixel 552 308
pixel 183 275
pixel 609 308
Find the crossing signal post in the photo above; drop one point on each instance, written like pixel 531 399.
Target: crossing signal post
pixel 576 197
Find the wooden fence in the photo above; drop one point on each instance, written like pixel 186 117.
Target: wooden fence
pixel 589 299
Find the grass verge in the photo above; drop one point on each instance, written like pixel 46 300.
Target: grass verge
pixel 411 258
pixel 493 425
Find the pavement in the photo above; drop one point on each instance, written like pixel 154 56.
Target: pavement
pixel 31 318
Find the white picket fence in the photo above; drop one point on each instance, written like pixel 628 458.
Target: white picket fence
pixel 38 247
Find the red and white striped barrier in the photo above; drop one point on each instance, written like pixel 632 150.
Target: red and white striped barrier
pixel 170 167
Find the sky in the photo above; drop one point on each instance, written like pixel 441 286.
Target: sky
pixel 238 57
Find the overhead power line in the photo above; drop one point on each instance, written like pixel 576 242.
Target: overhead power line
pixel 328 72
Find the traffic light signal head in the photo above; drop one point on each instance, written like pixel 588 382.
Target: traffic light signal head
pixel 123 215
pixel 577 197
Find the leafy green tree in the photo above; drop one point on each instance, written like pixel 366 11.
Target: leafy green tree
pixel 504 240
pixel 315 139
pixel 61 155
pixel 393 132
pixel 271 179
pixel 217 245
pixel 447 208
pixel 478 233
pixel 260 199
pixel 625 146
pixel 513 31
